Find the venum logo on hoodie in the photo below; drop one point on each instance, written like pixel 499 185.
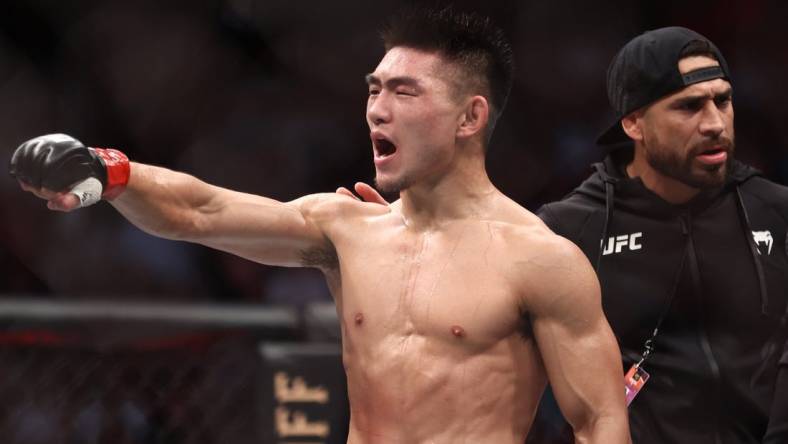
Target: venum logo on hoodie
pixel 763 238
pixel 617 244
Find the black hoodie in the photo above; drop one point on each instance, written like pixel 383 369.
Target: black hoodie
pixel 716 268
pixel 778 423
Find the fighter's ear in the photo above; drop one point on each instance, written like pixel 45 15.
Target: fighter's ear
pixel 632 125
pixel 474 118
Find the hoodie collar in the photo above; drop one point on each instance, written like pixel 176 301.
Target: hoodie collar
pixel 632 194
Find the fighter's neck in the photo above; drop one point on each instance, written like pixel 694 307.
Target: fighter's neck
pixel 427 206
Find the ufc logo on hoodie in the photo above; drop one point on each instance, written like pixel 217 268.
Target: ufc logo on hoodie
pixel 616 244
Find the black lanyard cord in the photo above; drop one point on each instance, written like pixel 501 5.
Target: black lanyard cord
pixel 648 346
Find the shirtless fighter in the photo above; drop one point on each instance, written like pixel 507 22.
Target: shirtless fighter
pixel 456 304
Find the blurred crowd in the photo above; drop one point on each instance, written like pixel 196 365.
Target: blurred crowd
pixel 268 97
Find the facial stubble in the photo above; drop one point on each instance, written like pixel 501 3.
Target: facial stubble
pixel 671 164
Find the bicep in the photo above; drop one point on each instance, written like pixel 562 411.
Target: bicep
pixel 583 366
pixel 265 230
pixel 579 350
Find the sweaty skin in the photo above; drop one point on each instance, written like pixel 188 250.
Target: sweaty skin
pixel 446 351
pixel 456 304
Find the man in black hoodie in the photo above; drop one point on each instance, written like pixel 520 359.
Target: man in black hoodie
pixel 689 246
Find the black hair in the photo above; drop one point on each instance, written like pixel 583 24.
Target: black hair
pixel 472 42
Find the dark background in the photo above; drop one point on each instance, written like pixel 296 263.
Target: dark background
pixel 268 97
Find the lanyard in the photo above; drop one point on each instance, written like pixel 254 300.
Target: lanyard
pixel 648 346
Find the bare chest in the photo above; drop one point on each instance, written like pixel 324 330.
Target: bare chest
pixel 447 287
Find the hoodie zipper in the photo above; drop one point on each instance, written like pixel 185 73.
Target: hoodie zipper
pixel 686 229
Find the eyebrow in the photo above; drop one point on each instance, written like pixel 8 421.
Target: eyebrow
pixel 728 92
pixel 393 82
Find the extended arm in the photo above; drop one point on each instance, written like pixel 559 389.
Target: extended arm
pixel 580 353
pixel 178 206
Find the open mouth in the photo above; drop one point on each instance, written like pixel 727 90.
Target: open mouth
pixel 383 147
pixel 715 154
pixel 712 151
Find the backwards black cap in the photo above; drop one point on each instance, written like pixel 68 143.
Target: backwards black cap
pixel 646 69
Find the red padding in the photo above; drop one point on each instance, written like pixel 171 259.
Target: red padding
pixel 118 171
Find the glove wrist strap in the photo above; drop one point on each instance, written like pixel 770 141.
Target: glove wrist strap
pixel 118 171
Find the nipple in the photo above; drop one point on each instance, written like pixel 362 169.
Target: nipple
pixel 457 331
pixel 359 319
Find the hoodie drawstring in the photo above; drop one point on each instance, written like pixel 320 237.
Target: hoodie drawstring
pixel 753 251
pixel 775 342
pixel 609 202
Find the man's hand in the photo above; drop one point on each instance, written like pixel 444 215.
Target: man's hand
pixel 66 173
pixel 64 201
pixel 367 193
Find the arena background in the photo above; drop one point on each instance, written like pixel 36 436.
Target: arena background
pixel 267 97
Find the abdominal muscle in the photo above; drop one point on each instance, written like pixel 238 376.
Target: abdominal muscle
pixel 414 389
